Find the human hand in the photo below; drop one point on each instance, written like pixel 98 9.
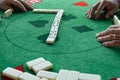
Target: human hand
pixel 110 37
pixel 10 4
pixel 110 5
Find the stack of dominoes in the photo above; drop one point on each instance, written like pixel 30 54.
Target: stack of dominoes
pixel 40 65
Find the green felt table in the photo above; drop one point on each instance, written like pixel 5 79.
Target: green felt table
pixel 23 35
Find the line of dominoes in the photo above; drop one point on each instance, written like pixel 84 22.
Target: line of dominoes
pixel 42 74
pixel 54 29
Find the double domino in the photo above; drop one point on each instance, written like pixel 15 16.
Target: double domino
pixel 8 13
pixel 18 75
pixel 68 75
pixel 54 29
pixel 43 66
pixel 39 64
pixel 34 62
pixel 75 75
pixel 116 20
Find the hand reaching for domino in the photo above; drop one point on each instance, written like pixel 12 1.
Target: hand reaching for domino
pixel 12 4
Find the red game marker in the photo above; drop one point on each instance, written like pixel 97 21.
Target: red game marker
pixel 82 3
pixel 20 68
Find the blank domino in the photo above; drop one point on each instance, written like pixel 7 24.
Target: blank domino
pixel 84 76
pixel 62 75
pixel 8 12
pixel 28 76
pixel 116 20
pixel 54 29
pixel 47 74
pixel 73 75
pixel 12 73
pixel 45 10
pixel 42 66
pixel 34 62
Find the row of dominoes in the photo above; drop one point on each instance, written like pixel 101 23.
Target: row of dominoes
pixel 54 29
pixel 41 74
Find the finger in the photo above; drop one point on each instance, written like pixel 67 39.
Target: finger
pixel 26 5
pixel 19 5
pixel 110 13
pixel 99 9
pixel 112 43
pixel 6 7
pixel 92 11
pixel 107 32
pixel 109 38
pixel 113 27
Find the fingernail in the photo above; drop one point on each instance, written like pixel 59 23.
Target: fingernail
pixel 106 43
pixel 97 34
pixel 99 39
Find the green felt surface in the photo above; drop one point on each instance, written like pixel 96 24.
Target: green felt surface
pixel 23 35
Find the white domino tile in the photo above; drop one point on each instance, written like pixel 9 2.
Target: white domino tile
pixel 116 20
pixel 47 74
pixel 28 76
pixel 118 78
pixel 85 76
pixel 42 66
pixel 54 29
pixel 73 75
pixel 62 75
pixel 12 73
pixel 8 12
pixel 45 10
pixel 35 62
pixel 43 79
